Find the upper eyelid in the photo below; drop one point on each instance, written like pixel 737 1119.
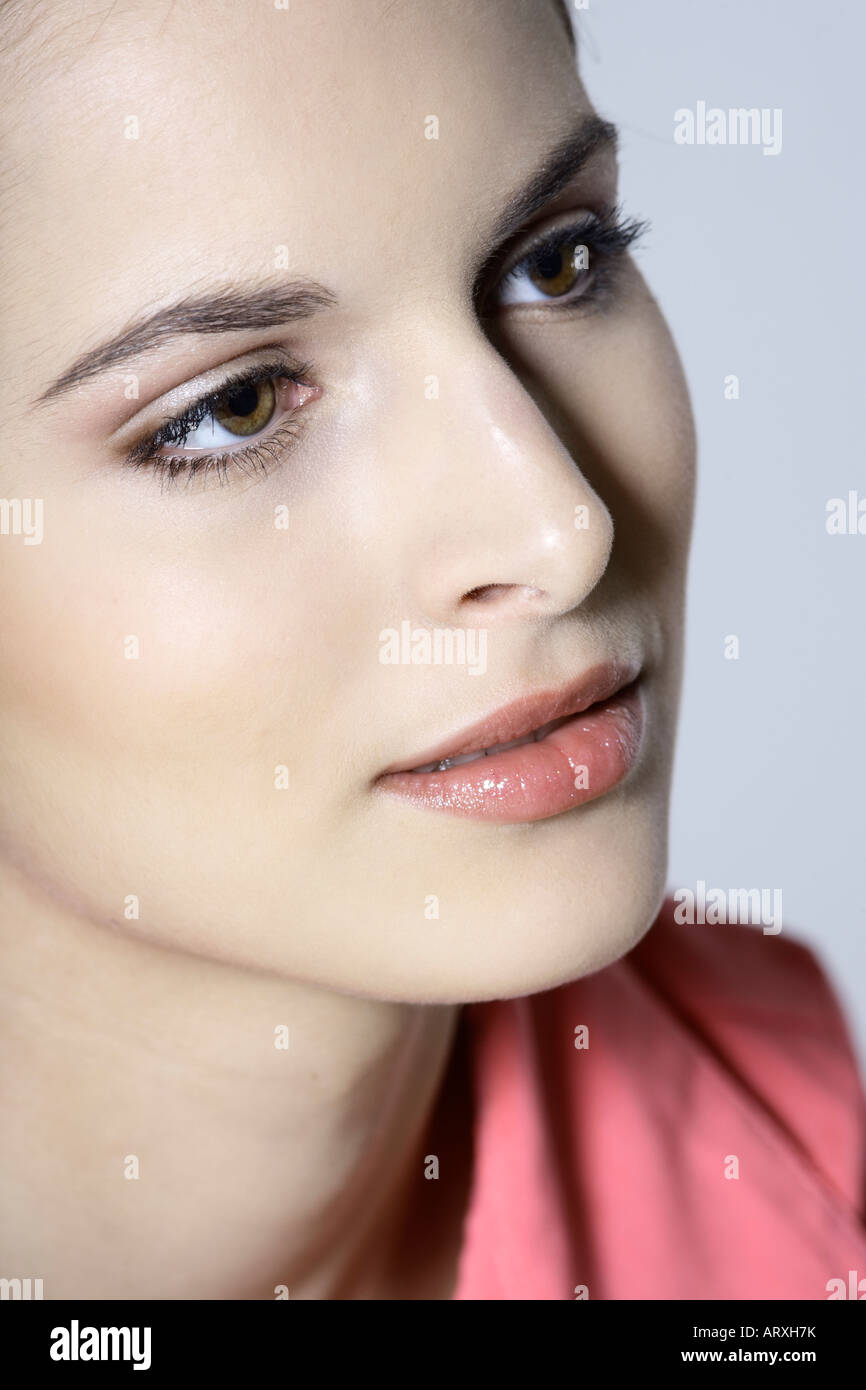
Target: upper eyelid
pixel 543 238
pixel 276 354
pixel 282 364
pixel 602 220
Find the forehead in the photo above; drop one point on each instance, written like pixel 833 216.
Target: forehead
pixel 218 122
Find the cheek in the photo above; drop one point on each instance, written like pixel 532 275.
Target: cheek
pixel 152 623
pixel 614 389
pixel 144 687
pixel 160 656
pixel 644 419
pixel 105 640
pixel 152 682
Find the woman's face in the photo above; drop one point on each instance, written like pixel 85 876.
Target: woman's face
pixel 196 698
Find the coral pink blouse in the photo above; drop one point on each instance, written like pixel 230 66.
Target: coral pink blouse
pixel 709 1142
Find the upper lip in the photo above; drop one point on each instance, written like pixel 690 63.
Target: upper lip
pixel 530 712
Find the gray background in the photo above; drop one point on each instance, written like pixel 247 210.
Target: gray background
pixel 758 263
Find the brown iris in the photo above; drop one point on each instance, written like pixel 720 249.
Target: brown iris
pixel 248 409
pixel 554 271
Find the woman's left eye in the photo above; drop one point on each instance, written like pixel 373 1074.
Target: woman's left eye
pixel 558 269
pixel 572 263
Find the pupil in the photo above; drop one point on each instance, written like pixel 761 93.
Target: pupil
pixel 244 401
pixel 550 265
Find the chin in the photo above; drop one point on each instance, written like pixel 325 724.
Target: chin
pixel 569 907
pixel 502 912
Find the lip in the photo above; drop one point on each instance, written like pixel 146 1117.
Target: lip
pixel 598 721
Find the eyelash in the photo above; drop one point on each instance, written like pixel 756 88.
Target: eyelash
pixel 607 236
pixel 259 456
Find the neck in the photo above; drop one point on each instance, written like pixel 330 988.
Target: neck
pixel 164 1142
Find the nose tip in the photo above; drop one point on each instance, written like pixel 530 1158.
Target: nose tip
pixel 510 529
pixel 561 564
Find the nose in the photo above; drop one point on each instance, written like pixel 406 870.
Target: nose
pixel 503 526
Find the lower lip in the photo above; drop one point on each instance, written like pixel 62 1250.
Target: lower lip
pixel 578 762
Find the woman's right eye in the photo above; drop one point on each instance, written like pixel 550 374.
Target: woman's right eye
pixel 246 411
pixel 258 410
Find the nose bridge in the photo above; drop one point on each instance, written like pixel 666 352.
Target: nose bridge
pixel 496 500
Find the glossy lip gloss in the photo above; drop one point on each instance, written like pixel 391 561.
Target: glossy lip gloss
pixel 572 746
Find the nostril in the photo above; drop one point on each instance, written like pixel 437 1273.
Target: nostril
pixel 486 593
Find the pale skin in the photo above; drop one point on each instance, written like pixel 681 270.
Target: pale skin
pixel 271 147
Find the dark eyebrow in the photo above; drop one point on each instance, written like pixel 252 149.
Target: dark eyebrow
pixel 223 310
pixel 558 167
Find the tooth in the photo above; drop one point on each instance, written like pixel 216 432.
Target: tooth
pixel 515 743
pixel 535 737
pixel 455 762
